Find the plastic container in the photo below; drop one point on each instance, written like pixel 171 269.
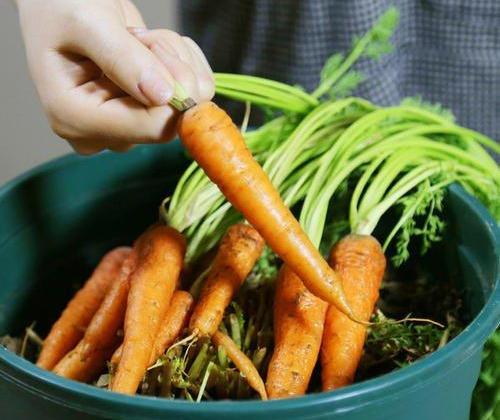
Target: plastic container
pixel 55 222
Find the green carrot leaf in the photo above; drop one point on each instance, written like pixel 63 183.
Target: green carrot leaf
pixel 374 44
pixel 426 203
pixel 435 108
pixel 381 33
pixel 331 66
pixel 347 83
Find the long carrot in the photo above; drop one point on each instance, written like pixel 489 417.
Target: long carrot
pixel 239 249
pixel 298 327
pixel 160 253
pixel 89 357
pixel 361 262
pixel 219 148
pixel 241 361
pixel 71 326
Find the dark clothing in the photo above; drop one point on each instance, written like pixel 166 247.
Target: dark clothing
pixel 446 51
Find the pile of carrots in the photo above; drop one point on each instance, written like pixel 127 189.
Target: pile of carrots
pixel 133 310
pixel 136 290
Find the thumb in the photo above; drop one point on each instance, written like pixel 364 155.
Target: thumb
pixel 130 65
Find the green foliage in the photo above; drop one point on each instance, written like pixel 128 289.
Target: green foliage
pixel 381 33
pixel 331 65
pixel 435 108
pixel 264 92
pixel 398 344
pixel 419 302
pixel 264 271
pixel 346 84
pixel 337 76
pixel 426 203
pixel 486 397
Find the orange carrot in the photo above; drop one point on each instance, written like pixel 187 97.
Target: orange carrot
pixel 219 148
pixel 68 330
pixel 298 327
pixel 239 249
pixel 89 357
pixel 160 252
pixel 175 320
pixel 241 361
pixel 117 355
pixel 361 263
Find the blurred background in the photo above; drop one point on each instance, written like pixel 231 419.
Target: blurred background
pixel 26 138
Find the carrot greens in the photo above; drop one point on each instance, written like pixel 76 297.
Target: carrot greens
pixel 343 165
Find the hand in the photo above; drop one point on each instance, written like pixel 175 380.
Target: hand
pixel 103 79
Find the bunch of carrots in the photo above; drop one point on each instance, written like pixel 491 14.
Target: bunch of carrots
pixel 273 192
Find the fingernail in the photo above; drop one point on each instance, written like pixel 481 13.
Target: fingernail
pixel 155 87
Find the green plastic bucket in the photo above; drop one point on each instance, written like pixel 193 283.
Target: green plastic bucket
pixel 55 222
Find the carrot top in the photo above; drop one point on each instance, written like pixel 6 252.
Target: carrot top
pixel 316 142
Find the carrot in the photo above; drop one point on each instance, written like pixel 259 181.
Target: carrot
pixel 175 320
pixel 117 355
pixel 89 357
pixel 298 327
pixel 160 252
pixel 239 249
pixel 68 330
pixel 219 148
pixel 241 361
pixel 361 262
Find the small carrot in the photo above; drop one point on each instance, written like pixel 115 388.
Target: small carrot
pixel 89 357
pixel 85 369
pixel 160 253
pixel 68 330
pixel 175 320
pixel 219 148
pixel 239 249
pixel 242 362
pixel 361 262
pixel 298 327
pixel 117 355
